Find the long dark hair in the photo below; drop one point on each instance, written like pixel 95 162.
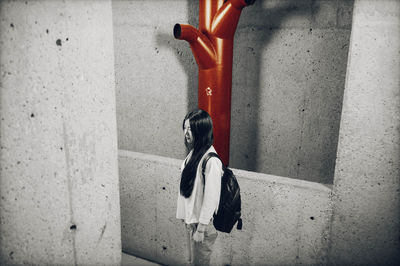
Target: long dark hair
pixel 202 131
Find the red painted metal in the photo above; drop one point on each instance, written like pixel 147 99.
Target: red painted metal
pixel 212 47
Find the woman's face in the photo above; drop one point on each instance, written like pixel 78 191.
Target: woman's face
pixel 188 133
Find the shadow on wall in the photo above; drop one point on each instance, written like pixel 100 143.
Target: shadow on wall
pixel 288 83
pixel 184 53
pixel 267 19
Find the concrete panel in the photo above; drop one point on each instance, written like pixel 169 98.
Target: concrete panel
pixel 148 201
pixel 59 176
pixel 138 204
pixel 288 80
pixel 285 221
pixel 289 71
pixel 365 224
pixel 151 79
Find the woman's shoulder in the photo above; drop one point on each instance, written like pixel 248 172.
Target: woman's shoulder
pixel 213 160
pixel 210 150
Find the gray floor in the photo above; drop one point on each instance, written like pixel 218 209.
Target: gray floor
pixel 129 260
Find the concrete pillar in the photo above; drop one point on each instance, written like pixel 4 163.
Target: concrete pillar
pixel 365 225
pixel 59 176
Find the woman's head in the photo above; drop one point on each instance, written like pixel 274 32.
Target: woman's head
pixel 198 129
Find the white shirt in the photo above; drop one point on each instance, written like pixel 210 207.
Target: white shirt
pixel 200 207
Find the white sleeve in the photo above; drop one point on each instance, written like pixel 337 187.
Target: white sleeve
pixel 213 174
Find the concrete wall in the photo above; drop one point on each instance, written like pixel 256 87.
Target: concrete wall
pixel 59 177
pixel 285 221
pixel 365 227
pixel 151 76
pixel 288 79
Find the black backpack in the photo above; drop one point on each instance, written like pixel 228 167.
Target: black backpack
pixel 229 208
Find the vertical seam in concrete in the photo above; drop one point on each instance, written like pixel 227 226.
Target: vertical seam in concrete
pixel 299 236
pixel 302 114
pixel 64 92
pixel 156 251
pixel 329 229
pixel 71 211
pixel 337 14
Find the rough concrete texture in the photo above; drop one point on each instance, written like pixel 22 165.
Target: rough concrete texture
pixel 151 78
pixel 288 79
pixel 365 227
pixel 59 176
pixel 286 221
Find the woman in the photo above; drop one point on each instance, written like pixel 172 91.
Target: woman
pixel 197 202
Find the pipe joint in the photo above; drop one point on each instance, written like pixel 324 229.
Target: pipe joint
pixel 202 48
pixel 227 17
pixel 249 2
pixel 240 4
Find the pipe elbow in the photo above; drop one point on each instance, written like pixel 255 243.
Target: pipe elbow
pixel 202 48
pixel 204 52
pixel 185 32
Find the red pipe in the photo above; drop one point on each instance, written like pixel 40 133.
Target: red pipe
pixel 212 47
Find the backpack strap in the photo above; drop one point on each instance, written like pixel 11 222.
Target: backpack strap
pixel 203 165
